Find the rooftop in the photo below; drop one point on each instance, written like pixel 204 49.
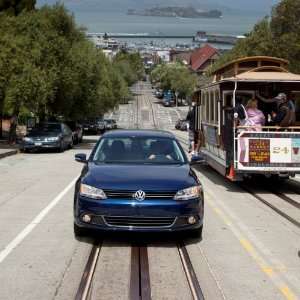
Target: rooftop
pixel 201 56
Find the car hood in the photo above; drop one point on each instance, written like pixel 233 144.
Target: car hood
pixel 135 177
pixel 42 134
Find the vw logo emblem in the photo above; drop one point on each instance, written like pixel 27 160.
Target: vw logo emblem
pixel 139 195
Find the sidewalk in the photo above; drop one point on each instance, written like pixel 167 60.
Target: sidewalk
pixel 7 150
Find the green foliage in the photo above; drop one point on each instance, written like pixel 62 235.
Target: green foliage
pixel 175 77
pixel 276 36
pixel 49 69
pixel 130 65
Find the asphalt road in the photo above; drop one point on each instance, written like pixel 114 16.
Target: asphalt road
pixel 248 251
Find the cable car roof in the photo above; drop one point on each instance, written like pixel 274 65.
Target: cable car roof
pixel 266 74
pixel 260 60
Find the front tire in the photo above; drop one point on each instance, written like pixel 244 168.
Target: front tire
pixel 196 233
pixel 79 231
pixel 61 148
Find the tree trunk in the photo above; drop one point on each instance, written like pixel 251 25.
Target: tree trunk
pixel 13 126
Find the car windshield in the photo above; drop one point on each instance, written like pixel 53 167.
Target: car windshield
pixel 72 125
pixel 139 150
pixel 46 128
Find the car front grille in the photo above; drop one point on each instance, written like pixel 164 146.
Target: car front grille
pixel 139 222
pixel 130 194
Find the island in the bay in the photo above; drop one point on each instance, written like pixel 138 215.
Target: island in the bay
pixel 177 12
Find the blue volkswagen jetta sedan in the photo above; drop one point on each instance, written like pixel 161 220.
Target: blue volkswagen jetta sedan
pixel 138 180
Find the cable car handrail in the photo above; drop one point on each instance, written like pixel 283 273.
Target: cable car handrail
pixel 210 124
pixel 268 127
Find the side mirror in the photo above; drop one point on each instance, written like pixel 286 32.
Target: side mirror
pixel 81 157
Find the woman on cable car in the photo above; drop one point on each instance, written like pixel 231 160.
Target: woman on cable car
pixel 254 116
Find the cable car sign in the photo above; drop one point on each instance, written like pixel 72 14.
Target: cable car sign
pixel 258 150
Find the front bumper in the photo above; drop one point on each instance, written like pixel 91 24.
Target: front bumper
pixel 41 145
pixel 128 215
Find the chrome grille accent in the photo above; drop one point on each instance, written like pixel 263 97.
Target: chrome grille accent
pixel 129 194
pixel 139 222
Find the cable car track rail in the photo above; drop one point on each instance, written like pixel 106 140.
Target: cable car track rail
pixel 88 273
pixel 273 207
pixel 140 283
pixel 281 195
pixel 191 276
pixel 286 198
pixel 140 288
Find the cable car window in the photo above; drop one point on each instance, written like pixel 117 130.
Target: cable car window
pixel 207 107
pixel 212 105
pixel 203 106
pixel 216 100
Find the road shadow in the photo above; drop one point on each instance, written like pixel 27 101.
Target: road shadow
pixel 158 239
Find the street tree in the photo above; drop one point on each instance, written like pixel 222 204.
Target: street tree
pixel 277 36
pixel 15 7
pixel 48 68
pixel 176 77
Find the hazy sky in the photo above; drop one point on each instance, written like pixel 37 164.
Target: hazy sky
pixel 262 6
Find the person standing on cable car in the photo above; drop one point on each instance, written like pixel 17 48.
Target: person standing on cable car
pixel 191 128
pixel 239 112
pixel 285 114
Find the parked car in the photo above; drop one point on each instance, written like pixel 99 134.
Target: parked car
pixel 181 125
pixel 77 131
pixel 101 126
pixel 184 125
pixel 110 124
pixel 90 126
pixel 178 124
pixel 168 98
pixel 50 135
pixel 137 180
pixel 158 94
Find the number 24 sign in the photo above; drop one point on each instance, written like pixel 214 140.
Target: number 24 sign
pixel 279 150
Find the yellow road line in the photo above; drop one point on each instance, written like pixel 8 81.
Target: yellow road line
pixel 285 290
pixel 287 293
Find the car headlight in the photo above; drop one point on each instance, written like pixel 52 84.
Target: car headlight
pixel 27 139
pixel 92 192
pixel 189 193
pixel 53 139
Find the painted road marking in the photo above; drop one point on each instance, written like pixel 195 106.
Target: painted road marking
pixel 37 220
pixel 250 248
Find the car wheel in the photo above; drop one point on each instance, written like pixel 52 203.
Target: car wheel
pixel 61 147
pixel 196 233
pixel 79 231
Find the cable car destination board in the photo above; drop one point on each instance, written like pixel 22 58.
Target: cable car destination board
pixel 269 151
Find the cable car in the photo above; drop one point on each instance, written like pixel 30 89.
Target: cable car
pixel 238 151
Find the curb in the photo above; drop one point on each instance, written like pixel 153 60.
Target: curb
pixel 9 153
